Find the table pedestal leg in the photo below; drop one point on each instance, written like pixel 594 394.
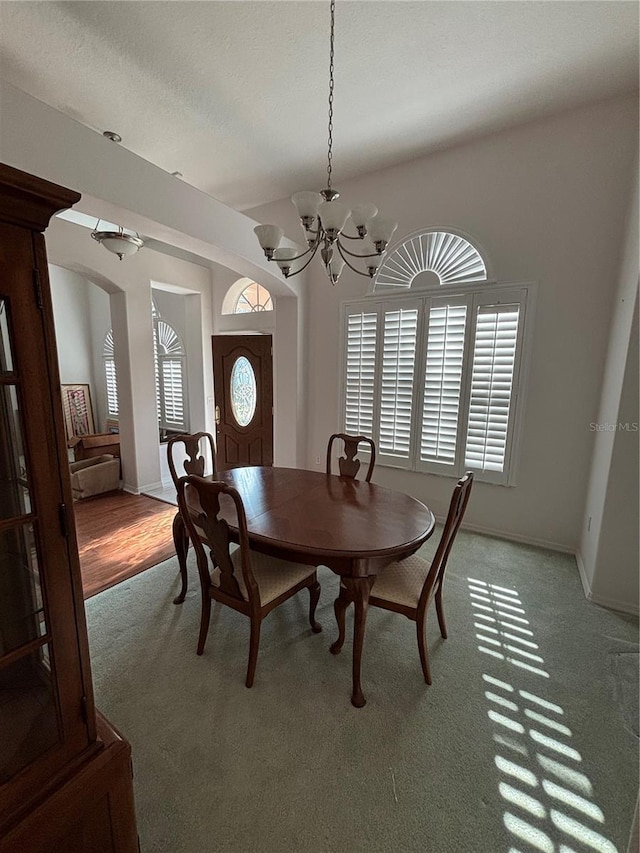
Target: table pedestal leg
pixel 358 590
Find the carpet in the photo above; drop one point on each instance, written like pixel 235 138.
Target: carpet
pixel 120 535
pixel 522 743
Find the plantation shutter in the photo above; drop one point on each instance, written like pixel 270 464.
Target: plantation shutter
pixel 156 371
pixel 446 333
pixel 494 361
pixel 396 393
pixel 172 387
pixel 360 373
pixel 108 353
pixel 168 358
pixel 112 387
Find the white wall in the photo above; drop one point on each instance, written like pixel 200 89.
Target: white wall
pixel 615 579
pixel 547 201
pixel 71 313
pixel 129 284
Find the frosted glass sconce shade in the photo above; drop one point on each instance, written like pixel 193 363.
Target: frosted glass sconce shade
pixel 333 215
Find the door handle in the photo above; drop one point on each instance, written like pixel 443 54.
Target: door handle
pixel 217 415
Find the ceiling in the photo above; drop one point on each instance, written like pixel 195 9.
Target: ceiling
pixel 234 94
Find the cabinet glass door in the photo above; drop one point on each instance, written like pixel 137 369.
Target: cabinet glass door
pixel 29 719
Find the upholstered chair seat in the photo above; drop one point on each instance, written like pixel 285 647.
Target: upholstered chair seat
pixel 402 582
pixel 274 577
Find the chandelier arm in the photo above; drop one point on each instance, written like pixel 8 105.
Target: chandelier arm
pixel 297 257
pixel 351 267
pixel 355 254
pixel 350 236
pixel 305 265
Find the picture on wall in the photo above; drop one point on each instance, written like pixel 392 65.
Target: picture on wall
pixel 78 414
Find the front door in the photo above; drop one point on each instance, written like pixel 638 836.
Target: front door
pixel 243 387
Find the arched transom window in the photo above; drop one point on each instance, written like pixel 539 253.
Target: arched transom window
pixel 254 297
pixel 429 258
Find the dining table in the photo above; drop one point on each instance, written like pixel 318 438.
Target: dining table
pixel 353 527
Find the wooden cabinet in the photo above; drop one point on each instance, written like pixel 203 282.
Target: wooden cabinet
pixel 52 749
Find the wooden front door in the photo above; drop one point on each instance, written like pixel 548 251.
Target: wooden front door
pixel 243 387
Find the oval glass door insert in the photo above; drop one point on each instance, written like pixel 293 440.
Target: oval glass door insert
pixel 243 391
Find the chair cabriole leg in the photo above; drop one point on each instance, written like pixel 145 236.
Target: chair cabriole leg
pixel 421 629
pixel 181 543
pixel 254 644
pixel 205 615
pixel 340 608
pixel 314 597
pixel 440 612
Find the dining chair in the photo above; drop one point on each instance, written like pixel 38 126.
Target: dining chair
pixel 245 580
pixel 192 459
pixel 408 586
pixel 349 464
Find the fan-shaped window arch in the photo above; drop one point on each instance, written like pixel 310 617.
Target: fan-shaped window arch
pixel 108 355
pixel 444 256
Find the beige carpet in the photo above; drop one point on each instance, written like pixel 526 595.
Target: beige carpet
pixel 523 742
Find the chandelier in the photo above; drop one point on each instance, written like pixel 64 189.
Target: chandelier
pixel 324 218
pixel 118 242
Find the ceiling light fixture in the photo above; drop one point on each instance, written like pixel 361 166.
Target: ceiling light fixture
pixel 324 218
pixel 121 244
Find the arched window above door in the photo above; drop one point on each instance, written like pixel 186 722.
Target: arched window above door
pixel 246 296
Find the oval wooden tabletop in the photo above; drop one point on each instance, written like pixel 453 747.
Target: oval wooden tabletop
pixel 317 513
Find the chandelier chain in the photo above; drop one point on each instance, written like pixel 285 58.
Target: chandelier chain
pixel 331 56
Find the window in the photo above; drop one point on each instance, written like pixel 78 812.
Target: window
pixel 110 375
pixel 170 377
pixel 254 297
pixel 433 375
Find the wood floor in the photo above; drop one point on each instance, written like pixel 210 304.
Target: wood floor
pixel 120 535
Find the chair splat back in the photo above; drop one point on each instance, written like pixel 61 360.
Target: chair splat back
pixel 192 445
pixel 348 464
pixel 195 461
pixel 201 508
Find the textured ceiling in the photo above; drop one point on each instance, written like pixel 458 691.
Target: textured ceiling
pixel 233 94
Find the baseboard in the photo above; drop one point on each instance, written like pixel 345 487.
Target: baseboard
pixel 586 585
pixel 614 604
pixel 601 600
pixel 515 537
